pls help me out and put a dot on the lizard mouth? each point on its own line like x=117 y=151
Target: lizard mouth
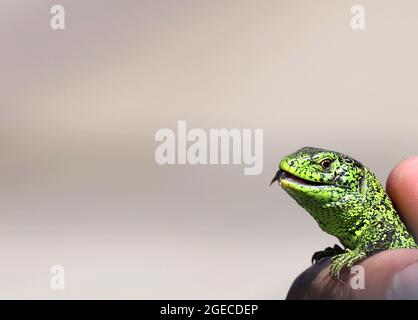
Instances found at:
x=282 y=175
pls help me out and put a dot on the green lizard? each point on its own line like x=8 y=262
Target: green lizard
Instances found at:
x=347 y=201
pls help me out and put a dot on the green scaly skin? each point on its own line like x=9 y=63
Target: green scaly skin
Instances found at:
x=347 y=201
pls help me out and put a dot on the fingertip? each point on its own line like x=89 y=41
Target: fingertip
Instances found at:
x=402 y=187
x=403 y=174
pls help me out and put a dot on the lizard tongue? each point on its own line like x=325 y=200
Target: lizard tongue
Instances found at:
x=277 y=177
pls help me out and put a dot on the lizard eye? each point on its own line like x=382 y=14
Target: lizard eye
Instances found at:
x=326 y=163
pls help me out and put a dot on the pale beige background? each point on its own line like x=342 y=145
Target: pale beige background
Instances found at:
x=79 y=109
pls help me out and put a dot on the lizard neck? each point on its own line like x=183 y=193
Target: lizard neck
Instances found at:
x=377 y=225
x=350 y=216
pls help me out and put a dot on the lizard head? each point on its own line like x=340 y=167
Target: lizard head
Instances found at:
x=324 y=182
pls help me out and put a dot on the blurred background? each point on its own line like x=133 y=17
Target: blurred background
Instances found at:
x=79 y=109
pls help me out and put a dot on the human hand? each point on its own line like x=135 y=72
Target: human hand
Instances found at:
x=391 y=274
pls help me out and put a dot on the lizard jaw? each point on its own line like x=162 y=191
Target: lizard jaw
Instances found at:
x=286 y=178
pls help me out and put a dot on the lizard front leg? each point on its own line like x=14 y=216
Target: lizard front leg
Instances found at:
x=376 y=238
x=347 y=259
